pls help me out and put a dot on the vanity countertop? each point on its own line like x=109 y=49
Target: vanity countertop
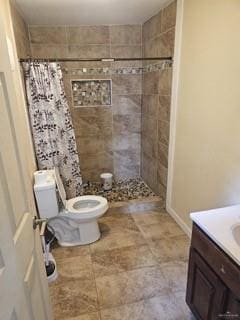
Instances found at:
x=218 y=225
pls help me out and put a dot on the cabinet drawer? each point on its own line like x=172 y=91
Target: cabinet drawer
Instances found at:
x=222 y=264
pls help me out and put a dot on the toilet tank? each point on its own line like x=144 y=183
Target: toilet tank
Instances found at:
x=45 y=193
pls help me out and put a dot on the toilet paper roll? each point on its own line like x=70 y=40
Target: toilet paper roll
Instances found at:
x=40 y=177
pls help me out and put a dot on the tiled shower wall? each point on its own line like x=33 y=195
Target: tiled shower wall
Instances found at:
x=108 y=138
x=158 y=40
x=21 y=33
x=112 y=138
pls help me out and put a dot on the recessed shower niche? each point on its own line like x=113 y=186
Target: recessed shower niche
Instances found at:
x=91 y=93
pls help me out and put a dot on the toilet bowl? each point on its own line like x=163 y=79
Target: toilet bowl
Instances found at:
x=74 y=221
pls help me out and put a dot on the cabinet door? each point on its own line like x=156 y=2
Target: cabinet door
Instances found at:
x=231 y=307
x=205 y=291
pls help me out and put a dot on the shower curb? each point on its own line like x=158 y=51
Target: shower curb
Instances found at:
x=138 y=205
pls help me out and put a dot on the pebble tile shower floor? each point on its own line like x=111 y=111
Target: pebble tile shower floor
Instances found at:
x=136 y=271
x=123 y=190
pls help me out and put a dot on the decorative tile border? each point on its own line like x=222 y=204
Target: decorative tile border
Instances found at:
x=157 y=66
x=125 y=70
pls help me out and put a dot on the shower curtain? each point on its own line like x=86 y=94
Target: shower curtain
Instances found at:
x=51 y=124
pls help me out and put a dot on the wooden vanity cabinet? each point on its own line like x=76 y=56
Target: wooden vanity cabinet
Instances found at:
x=213 y=287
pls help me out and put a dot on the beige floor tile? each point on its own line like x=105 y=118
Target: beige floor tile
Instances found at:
x=159 y=230
x=181 y=302
x=170 y=248
x=157 y=308
x=88 y=316
x=76 y=267
x=131 y=286
x=65 y=252
x=117 y=222
x=140 y=272
x=73 y=297
x=122 y=259
x=176 y=274
x=119 y=239
x=151 y=217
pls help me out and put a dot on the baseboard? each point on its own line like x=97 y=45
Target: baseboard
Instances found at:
x=179 y=221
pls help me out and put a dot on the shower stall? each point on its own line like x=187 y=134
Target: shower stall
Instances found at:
x=117 y=80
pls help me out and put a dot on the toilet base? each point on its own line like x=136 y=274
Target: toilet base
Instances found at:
x=71 y=233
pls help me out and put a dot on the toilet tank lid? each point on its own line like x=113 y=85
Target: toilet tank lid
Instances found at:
x=43 y=180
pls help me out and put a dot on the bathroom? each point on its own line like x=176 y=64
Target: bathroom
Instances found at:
x=150 y=95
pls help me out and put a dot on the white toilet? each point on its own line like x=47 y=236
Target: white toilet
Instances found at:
x=74 y=221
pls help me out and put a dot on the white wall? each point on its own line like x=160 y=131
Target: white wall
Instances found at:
x=204 y=162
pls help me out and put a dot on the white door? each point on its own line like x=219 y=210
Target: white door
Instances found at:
x=23 y=285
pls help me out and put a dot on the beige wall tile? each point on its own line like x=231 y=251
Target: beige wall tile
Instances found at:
x=49 y=51
x=152 y=48
x=97 y=112
x=149 y=171
x=126 y=141
x=126 y=51
x=149 y=146
x=123 y=124
x=94 y=125
x=169 y=16
x=126 y=104
x=91 y=175
x=149 y=127
x=162 y=174
x=161 y=190
x=23 y=46
x=118 y=128
x=150 y=105
x=100 y=160
x=47 y=35
x=165 y=82
x=126 y=157
x=151 y=82
x=88 y=51
x=163 y=154
x=167 y=43
x=127 y=84
x=126 y=34
x=127 y=172
x=88 y=35
x=21 y=33
x=163 y=132
x=152 y=27
x=164 y=107
x=93 y=145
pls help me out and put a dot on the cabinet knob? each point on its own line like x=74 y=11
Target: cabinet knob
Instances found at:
x=223 y=269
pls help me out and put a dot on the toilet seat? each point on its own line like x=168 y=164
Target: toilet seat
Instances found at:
x=85 y=207
x=82 y=207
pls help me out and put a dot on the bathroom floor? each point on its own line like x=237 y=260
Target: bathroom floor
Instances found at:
x=137 y=271
x=128 y=189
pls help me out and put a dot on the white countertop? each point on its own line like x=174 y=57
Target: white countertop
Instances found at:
x=217 y=224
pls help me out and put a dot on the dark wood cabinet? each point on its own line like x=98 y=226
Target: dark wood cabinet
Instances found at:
x=213 y=288
x=232 y=306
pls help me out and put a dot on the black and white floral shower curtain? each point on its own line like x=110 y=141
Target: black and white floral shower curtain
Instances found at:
x=52 y=129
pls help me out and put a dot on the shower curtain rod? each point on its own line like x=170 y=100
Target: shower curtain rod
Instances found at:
x=93 y=60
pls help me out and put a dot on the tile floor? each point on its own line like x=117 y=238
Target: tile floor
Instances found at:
x=136 y=271
x=122 y=190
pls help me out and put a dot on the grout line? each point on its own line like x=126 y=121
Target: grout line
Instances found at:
x=94 y=278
